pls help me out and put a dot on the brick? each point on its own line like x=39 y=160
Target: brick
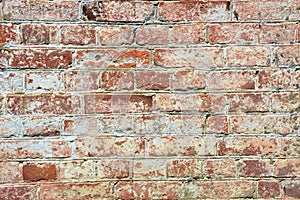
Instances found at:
x=283 y=33
x=268 y=189
x=110 y=58
x=233 y=33
x=227 y=80
x=11 y=81
x=18 y=192
x=37 y=34
x=219 y=168
x=188 y=79
x=76 y=80
x=285 y=102
x=116 y=124
x=217 y=124
x=291 y=189
x=10 y=127
x=275 y=79
x=287 y=167
x=152 y=80
x=196 y=58
x=185 y=168
x=296 y=79
x=243 y=146
x=192 y=146
x=194 y=11
x=151 y=124
x=109 y=147
x=103 y=103
x=78 y=35
x=113 y=169
x=75 y=191
x=149 y=169
x=42 y=126
x=39 y=171
x=193 y=33
x=61 y=149
x=116 y=35
x=290 y=146
x=117 y=80
x=287 y=55
x=8 y=34
x=76 y=170
x=42 y=11
x=10 y=172
x=247 y=56
x=186 y=124
x=43 y=104
x=254 y=168
x=114 y=11
x=46 y=81
x=80 y=126
x=248 y=102
x=152 y=35
x=189 y=102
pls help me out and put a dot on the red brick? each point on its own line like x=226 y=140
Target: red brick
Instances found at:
x=219 y=168
x=10 y=127
x=192 y=146
x=278 y=33
x=290 y=146
x=46 y=81
x=194 y=11
x=83 y=126
x=76 y=170
x=254 y=168
x=246 y=56
x=248 y=102
x=189 y=102
x=275 y=79
x=39 y=171
x=197 y=58
x=81 y=80
x=78 y=34
x=39 y=34
x=217 y=124
x=8 y=33
x=149 y=169
x=268 y=189
x=116 y=124
x=61 y=149
x=42 y=126
x=110 y=58
x=247 y=146
x=292 y=189
x=185 y=168
x=233 y=33
x=110 y=169
x=117 y=11
x=116 y=35
x=75 y=191
x=287 y=167
x=152 y=35
x=285 y=102
x=152 y=80
x=43 y=10
x=188 y=79
x=193 y=33
x=186 y=124
x=109 y=147
x=287 y=55
x=296 y=79
x=230 y=80
x=117 y=80
x=43 y=104
x=151 y=124
x=19 y=192
x=10 y=172
x=12 y=81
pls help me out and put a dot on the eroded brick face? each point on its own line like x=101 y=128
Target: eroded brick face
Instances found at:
x=149 y=99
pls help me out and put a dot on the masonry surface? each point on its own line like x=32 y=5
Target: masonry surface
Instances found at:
x=149 y=99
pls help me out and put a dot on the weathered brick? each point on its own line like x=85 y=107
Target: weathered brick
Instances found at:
x=46 y=81
x=78 y=34
x=10 y=172
x=111 y=169
x=149 y=169
x=247 y=56
x=116 y=35
x=193 y=33
x=296 y=79
x=268 y=189
x=39 y=34
x=230 y=80
x=11 y=81
x=114 y=11
x=39 y=171
x=42 y=126
x=274 y=79
x=152 y=35
x=219 y=168
x=19 y=192
x=116 y=124
x=188 y=79
x=43 y=104
x=103 y=103
x=43 y=10
x=184 y=168
x=233 y=33
x=11 y=127
x=248 y=102
x=217 y=124
x=194 y=11
x=117 y=80
x=254 y=168
x=243 y=146
x=83 y=126
x=285 y=102
x=75 y=191
x=152 y=80
x=290 y=146
x=291 y=189
x=287 y=55
x=76 y=170
x=111 y=58
x=61 y=149
x=8 y=34
x=287 y=167
x=81 y=80
x=196 y=58
x=278 y=33
x=151 y=124
x=186 y=124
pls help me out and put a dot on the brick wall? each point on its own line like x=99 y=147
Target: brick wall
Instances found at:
x=149 y=99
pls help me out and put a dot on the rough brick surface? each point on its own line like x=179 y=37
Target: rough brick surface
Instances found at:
x=144 y=99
